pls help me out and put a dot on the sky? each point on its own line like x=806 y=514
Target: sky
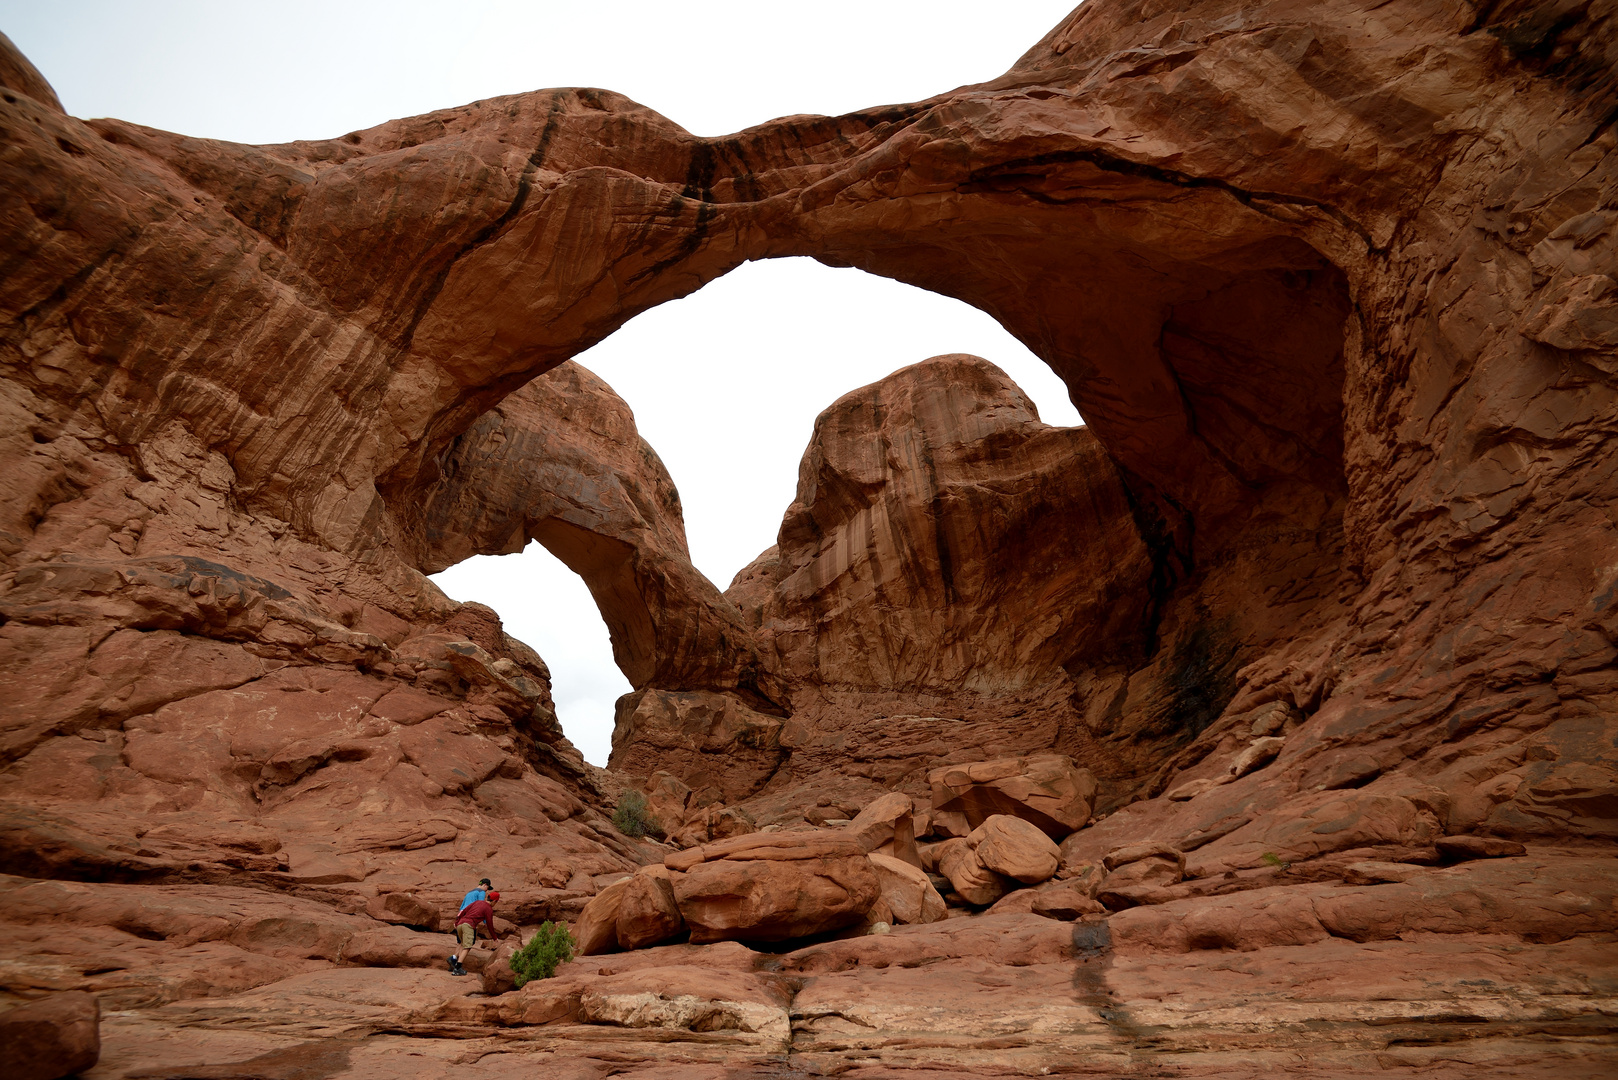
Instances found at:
x=724 y=383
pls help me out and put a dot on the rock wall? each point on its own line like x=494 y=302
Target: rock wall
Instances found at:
x=948 y=565
x=944 y=540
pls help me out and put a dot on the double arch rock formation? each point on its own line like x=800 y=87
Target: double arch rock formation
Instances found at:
x=1332 y=284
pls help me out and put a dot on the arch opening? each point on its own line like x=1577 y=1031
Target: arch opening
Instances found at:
x=1219 y=465
x=608 y=514
x=549 y=607
x=726 y=383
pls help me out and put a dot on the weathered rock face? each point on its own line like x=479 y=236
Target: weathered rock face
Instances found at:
x=1334 y=290
x=58 y=1036
x=721 y=748
x=928 y=505
x=1212 y=346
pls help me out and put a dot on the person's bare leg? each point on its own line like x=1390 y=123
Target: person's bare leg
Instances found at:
x=458 y=955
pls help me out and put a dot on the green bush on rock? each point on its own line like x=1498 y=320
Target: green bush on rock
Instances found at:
x=551 y=945
x=633 y=818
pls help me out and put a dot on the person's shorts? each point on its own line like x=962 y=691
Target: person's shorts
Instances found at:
x=466 y=934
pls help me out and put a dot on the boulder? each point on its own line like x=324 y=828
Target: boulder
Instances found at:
x=1045 y=789
x=1378 y=872
x=886 y=826
x=1145 y=849
x=770 y=847
x=647 y=913
x=1349 y=771
x=713 y=822
x=1064 y=900
x=54 y=1037
x=1155 y=871
x=878 y=920
x=910 y=896
x=596 y=930
x=1259 y=753
x=1123 y=897
x=1017 y=902
x=401 y=947
x=1275 y=718
x=1192 y=788
x=498 y=978
x=1016 y=848
x=975 y=883
x=774 y=900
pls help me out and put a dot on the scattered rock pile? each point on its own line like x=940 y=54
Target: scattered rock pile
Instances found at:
x=865 y=873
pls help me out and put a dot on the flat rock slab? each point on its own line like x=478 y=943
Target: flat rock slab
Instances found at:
x=770 y=847
x=1543 y=900
x=990 y=995
x=328 y=1004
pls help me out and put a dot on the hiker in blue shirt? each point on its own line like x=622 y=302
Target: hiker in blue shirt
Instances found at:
x=479 y=893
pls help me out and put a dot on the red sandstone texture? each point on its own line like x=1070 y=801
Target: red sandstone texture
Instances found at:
x=1322 y=601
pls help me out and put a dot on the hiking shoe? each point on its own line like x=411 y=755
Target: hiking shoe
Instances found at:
x=455 y=968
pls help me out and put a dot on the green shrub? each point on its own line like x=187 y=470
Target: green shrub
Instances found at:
x=632 y=818
x=550 y=945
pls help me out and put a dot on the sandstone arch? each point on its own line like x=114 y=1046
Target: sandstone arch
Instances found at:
x=244 y=387
x=1142 y=199
x=559 y=461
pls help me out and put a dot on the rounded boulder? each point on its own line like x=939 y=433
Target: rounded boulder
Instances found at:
x=774 y=900
x=1015 y=848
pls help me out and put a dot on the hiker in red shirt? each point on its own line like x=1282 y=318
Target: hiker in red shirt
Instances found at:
x=466 y=929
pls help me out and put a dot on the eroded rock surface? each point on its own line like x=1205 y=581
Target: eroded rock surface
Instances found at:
x=54 y=1037
x=1332 y=564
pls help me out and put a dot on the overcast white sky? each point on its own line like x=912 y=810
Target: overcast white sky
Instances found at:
x=725 y=383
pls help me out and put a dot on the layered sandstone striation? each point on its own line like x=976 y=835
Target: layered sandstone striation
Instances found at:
x=928 y=584
x=1322 y=597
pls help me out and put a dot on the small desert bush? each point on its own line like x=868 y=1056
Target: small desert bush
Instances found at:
x=632 y=818
x=550 y=945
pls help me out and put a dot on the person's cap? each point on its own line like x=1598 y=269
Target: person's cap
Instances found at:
x=493 y=896
x=483 y=881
